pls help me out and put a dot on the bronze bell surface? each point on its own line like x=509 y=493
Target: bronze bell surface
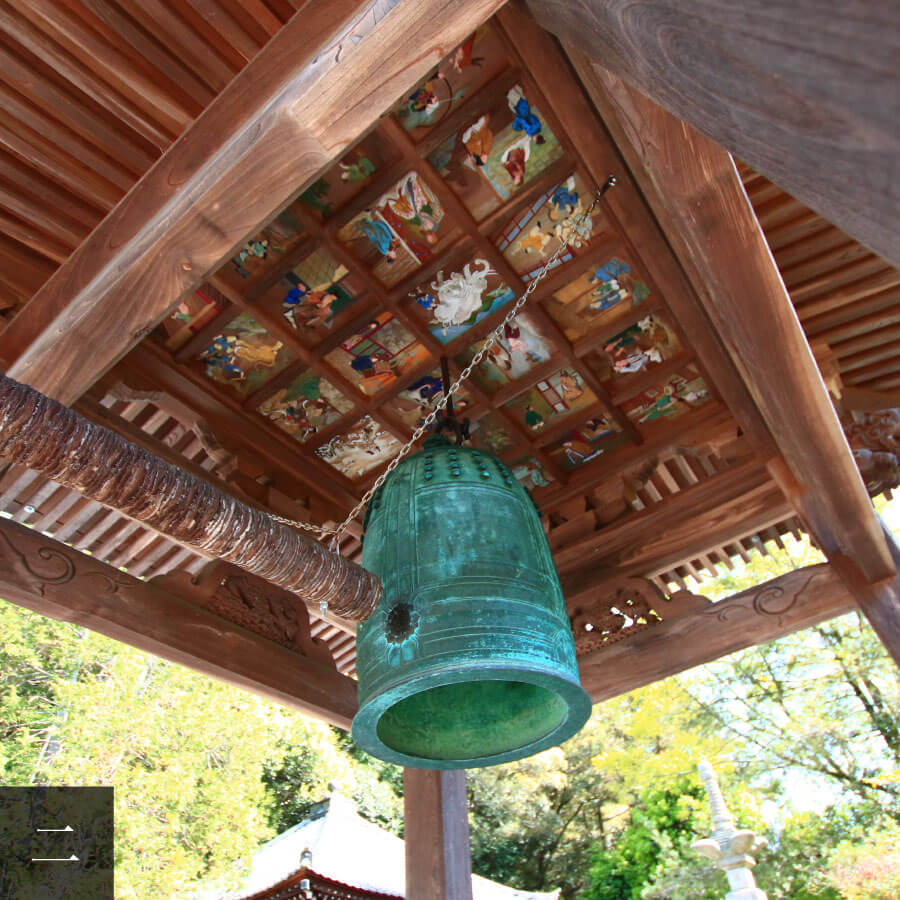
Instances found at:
x=469 y=658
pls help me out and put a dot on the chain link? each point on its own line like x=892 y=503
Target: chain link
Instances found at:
x=336 y=531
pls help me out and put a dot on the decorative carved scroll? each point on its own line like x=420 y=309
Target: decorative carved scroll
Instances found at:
x=250 y=602
x=874 y=438
x=36 y=565
x=775 y=599
x=623 y=607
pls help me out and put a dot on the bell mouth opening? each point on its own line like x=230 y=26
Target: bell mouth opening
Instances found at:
x=471 y=720
x=477 y=716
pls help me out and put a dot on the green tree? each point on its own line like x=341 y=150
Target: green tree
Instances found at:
x=536 y=823
x=311 y=765
x=824 y=702
x=870 y=869
x=662 y=825
x=35 y=655
x=533 y=822
x=199 y=767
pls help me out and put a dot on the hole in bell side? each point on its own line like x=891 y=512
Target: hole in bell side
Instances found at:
x=471 y=719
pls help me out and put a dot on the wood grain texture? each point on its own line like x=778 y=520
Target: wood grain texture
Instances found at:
x=879 y=602
x=804 y=92
x=797 y=600
x=54 y=580
x=436 y=825
x=695 y=192
x=317 y=86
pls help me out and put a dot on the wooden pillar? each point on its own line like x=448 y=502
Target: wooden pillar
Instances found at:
x=693 y=188
x=880 y=602
x=438 y=862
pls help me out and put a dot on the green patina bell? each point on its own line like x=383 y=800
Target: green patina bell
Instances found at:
x=469 y=659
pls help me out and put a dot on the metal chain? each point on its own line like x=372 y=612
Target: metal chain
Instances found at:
x=493 y=337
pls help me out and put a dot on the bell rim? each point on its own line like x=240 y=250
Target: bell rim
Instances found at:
x=364 y=728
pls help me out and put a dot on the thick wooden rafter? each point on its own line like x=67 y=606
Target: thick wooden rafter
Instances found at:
x=807 y=98
x=180 y=220
x=693 y=187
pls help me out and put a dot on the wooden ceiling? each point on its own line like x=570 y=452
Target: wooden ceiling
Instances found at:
x=847 y=297
x=298 y=368
x=93 y=93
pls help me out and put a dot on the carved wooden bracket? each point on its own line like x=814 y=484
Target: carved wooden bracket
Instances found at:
x=626 y=606
x=226 y=462
x=251 y=602
x=697 y=631
x=874 y=438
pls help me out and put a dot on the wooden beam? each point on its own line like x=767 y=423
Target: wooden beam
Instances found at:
x=797 y=90
x=724 y=508
x=314 y=89
x=52 y=579
x=436 y=829
x=694 y=189
x=880 y=602
x=791 y=602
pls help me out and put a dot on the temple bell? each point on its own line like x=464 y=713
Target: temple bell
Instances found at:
x=469 y=658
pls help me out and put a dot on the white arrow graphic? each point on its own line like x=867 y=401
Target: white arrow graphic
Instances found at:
x=67 y=828
x=72 y=858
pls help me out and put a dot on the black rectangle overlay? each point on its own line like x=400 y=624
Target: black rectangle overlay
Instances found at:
x=56 y=843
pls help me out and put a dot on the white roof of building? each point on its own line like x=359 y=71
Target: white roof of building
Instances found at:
x=346 y=848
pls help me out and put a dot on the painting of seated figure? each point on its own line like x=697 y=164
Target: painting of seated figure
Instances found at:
x=637 y=348
x=315 y=293
x=413 y=404
x=598 y=296
x=475 y=63
x=400 y=232
x=597 y=437
x=193 y=312
x=382 y=351
x=497 y=153
x=674 y=397
x=353 y=172
x=261 y=252
x=559 y=216
x=307 y=405
x=561 y=394
x=244 y=355
x=530 y=473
